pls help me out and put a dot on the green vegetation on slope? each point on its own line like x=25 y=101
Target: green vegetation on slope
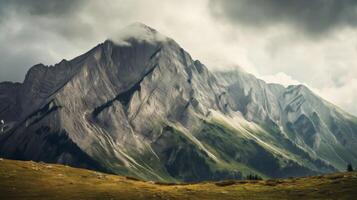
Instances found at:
x=30 y=180
x=234 y=155
x=184 y=160
x=245 y=154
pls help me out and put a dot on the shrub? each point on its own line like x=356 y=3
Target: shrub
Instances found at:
x=349 y=167
x=253 y=177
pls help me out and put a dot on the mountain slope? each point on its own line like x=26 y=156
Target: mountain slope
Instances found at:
x=295 y=112
x=30 y=180
x=139 y=105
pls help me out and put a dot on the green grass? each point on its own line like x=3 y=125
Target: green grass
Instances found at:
x=30 y=180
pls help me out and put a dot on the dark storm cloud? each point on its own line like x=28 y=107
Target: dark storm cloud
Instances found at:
x=57 y=16
x=28 y=27
x=313 y=17
x=41 y=7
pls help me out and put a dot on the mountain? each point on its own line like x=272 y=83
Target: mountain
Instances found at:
x=139 y=105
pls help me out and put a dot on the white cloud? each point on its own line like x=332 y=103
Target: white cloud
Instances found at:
x=140 y=32
x=280 y=78
x=344 y=96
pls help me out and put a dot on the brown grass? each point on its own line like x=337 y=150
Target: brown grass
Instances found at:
x=30 y=180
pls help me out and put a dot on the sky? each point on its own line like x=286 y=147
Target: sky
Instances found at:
x=311 y=42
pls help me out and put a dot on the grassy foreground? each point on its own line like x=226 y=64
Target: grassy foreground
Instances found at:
x=30 y=180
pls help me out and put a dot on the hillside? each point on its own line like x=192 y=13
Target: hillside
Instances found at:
x=31 y=180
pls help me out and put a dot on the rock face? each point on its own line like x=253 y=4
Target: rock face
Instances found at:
x=141 y=106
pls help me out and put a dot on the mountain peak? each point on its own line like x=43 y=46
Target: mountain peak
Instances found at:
x=138 y=31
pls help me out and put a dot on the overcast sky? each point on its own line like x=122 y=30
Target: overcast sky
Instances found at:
x=313 y=42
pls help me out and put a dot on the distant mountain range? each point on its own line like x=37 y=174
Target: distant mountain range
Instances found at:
x=141 y=106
